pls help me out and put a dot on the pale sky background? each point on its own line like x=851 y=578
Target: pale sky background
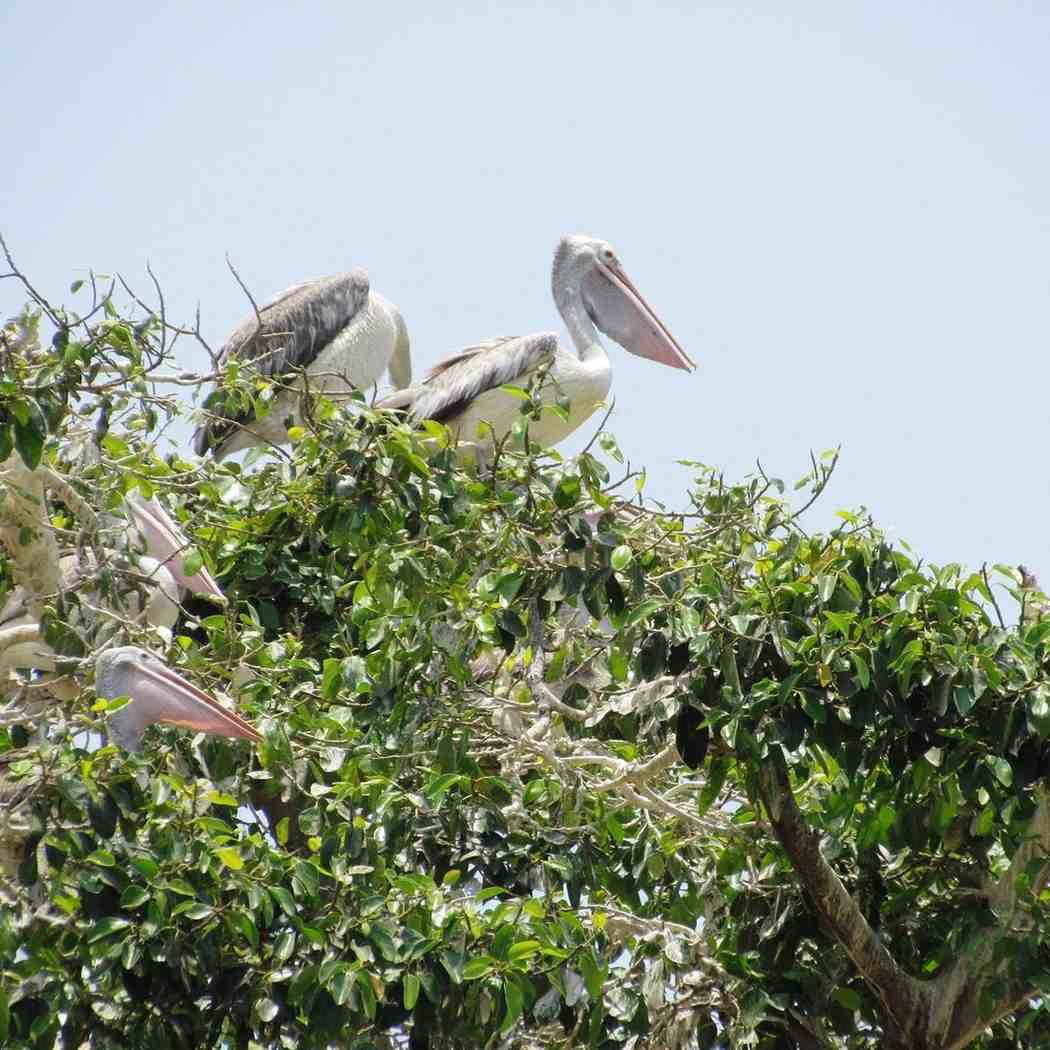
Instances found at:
x=842 y=212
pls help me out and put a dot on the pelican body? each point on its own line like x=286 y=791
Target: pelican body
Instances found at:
x=331 y=336
x=155 y=600
x=158 y=695
x=593 y=294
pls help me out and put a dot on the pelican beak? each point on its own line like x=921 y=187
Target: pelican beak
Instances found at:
x=622 y=313
x=168 y=698
x=166 y=542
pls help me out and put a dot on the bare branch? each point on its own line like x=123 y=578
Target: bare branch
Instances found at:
x=54 y=482
x=24 y=634
x=163 y=314
x=36 y=296
x=244 y=288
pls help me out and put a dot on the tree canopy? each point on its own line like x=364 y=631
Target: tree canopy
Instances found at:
x=544 y=765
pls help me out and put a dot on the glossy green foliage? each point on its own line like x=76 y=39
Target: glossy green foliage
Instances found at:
x=451 y=831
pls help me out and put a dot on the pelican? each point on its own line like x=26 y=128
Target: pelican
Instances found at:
x=335 y=329
x=162 y=577
x=158 y=694
x=593 y=293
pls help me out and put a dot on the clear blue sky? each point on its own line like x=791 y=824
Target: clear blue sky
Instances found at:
x=842 y=212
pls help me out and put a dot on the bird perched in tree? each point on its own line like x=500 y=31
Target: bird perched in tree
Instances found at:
x=329 y=336
x=592 y=293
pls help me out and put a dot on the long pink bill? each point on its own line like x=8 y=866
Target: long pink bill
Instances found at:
x=621 y=312
x=166 y=542
x=157 y=694
x=170 y=699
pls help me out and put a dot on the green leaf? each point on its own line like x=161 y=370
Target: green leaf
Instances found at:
x=453 y=961
x=331 y=680
x=480 y=966
x=1002 y=769
x=231 y=857
x=29 y=439
x=567 y=492
x=180 y=886
x=1039 y=709
x=618 y=664
x=193 y=910
x=368 y=993
x=847 y=998
x=621 y=557
x=342 y=984
x=266 y=1009
x=134 y=897
x=861 y=667
x=284 y=899
x=515 y=999
x=643 y=611
x=243 y=923
x=383 y=938
x=716 y=775
x=826 y=587
x=284 y=945
x=305 y=879
x=147 y=866
x=593 y=974
x=523 y=950
x=107 y=927
x=964 y=700
x=192 y=561
x=410 y=990
x=983 y=823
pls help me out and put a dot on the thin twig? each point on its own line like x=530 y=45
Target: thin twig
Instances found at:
x=244 y=288
x=601 y=427
x=40 y=300
x=163 y=314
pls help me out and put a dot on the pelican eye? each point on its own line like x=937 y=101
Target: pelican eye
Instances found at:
x=608 y=255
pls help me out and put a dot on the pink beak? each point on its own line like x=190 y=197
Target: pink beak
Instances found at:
x=157 y=694
x=620 y=311
x=166 y=542
x=168 y=698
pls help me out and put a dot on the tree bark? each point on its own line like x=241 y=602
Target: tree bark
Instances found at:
x=904 y=1000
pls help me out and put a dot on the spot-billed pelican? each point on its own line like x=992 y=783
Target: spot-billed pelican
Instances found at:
x=335 y=330
x=593 y=293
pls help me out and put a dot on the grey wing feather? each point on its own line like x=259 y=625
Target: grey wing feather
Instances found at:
x=454 y=383
x=292 y=329
x=288 y=333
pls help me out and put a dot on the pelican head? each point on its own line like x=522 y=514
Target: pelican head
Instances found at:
x=158 y=694
x=589 y=270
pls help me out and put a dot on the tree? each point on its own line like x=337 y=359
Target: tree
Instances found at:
x=469 y=824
